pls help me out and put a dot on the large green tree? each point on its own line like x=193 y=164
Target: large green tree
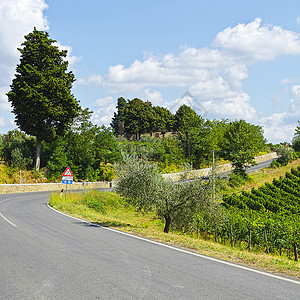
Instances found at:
x=40 y=94
x=138 y=117
x=242 y=141
x=185 y=118
x=117 y=121
x=296 y=139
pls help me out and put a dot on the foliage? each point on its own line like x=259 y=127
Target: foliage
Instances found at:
x=118 y=118
x=17 y=148
x=242 y=142
x=41 y=90
x=88 y=149
x=185 y=118
x=138 y=116
x=176 y=203
x=166 y=152
x=272 y=209
x=296 y=143
x=285 y=156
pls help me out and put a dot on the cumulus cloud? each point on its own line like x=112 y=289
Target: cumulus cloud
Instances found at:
x=234 y=107
x=72 y=59
x=155 y=97
x=258 y=42
x=105 y=108
x=17 y=18
x=91 y=80
x=281 y=126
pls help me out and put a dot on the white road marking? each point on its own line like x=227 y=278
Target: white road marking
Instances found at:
x=8 y=221
x=185 y=251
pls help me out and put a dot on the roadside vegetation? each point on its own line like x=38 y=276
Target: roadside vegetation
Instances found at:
x=117 y=213
x=201 y=230
x=232 y=221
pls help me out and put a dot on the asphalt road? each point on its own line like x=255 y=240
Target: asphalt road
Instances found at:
x=260 y=166
x=47 y=255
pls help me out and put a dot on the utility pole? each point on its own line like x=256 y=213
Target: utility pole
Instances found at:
x=213 y=174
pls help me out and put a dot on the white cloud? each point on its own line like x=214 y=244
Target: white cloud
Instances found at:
x=155 y=97
x=280 y=127
x=17 y=18
x=104 y=110
x=91 y=80
x=235 y=107
x=72 y=59
x=258 y=42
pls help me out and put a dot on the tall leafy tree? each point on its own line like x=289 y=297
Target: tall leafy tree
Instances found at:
x=242 y=142
x=40 y=94
x=163 y=120
x=185 y=118
x=296 y=139
x=138 y=117
x=117 y=121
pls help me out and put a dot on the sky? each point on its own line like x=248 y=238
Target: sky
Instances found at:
x=226 y=59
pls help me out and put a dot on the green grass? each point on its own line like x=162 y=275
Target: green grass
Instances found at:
x=116 y=213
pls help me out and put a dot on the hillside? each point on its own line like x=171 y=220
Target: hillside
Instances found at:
x=267 y=217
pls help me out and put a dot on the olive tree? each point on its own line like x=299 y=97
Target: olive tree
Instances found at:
x=145 y=188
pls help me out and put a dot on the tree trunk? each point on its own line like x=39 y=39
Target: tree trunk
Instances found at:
x=295 y=247
x=37 y=154
x=250 y=236
x=231 y=235
x=167 y=224
x=266 y=241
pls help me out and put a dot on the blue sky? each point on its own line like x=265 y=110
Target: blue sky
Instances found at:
x=237 y=59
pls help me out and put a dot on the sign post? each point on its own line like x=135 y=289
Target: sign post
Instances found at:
x=67 y=178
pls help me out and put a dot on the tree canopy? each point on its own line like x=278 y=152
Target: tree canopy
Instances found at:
x=242 y=141
x=40 y=93
x=296 y=139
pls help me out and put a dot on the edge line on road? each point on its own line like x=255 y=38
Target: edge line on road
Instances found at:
x=8 y=221
x=182 y=250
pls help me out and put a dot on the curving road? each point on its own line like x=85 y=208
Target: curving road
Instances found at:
x=47 y=255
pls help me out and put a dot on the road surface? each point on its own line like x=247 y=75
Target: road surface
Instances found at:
x=47 y=255
x=261 y=165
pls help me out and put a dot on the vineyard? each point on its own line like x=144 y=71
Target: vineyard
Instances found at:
x=265 y=219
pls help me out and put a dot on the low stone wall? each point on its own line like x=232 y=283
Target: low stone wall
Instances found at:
x=221 y=168
x=43 y=187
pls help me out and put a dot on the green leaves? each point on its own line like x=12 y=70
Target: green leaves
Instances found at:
x=40 y=92
x=242 y=141
x=177 y=203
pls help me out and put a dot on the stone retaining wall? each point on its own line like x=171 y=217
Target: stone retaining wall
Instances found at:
x=221 y=168
x=42 y=187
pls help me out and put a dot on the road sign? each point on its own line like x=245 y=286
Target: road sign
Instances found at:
x=67 y=172
x=67 y=176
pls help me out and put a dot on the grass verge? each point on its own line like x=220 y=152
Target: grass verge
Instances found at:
x=114 y=212
x=259 y=178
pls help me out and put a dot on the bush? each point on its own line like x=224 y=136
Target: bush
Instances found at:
x=285 y=156
x=106 y=172
x=296 y=144
x=275 y=164
x=235 y=179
